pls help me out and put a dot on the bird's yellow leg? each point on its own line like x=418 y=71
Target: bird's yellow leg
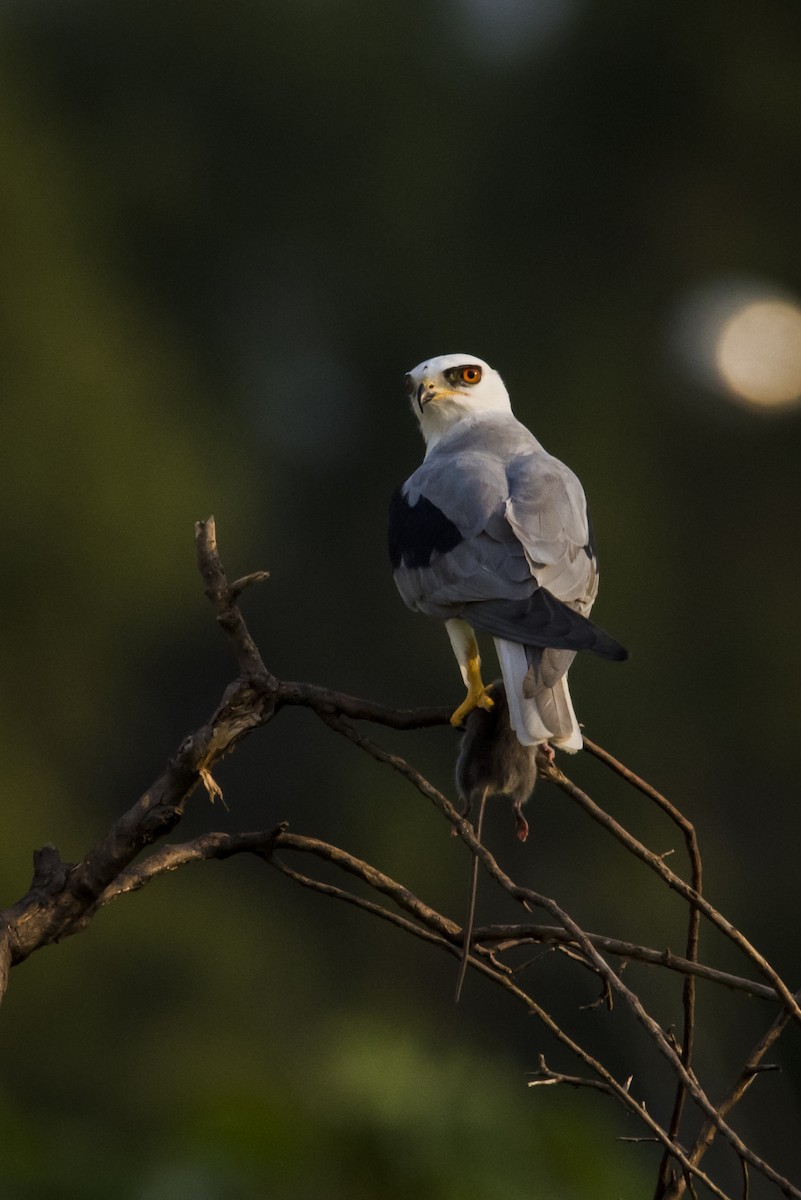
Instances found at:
x=465 y=647
x=477 y=695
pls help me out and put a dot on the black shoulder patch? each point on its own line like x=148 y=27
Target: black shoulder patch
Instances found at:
x=416 y=531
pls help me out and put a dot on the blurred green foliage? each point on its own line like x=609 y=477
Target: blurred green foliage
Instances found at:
x=225 y=234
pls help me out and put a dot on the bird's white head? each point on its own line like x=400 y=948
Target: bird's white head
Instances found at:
x=447 y=389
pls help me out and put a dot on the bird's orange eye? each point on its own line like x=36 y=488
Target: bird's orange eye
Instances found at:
x=408 y=383
x=470 y=374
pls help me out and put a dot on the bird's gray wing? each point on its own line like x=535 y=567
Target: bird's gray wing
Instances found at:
x=547 y=511
x=449 y=539
x=490 y=515
x=488 y=520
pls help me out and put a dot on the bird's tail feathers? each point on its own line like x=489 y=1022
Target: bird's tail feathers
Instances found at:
x=536 y=713
x=546 y=666
x=557 y=712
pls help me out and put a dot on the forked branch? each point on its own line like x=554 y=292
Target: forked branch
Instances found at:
x=64 y=897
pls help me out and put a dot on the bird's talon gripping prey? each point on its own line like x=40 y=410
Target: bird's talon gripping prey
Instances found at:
x=465 y=648
x=491 y=533
x=478 y=699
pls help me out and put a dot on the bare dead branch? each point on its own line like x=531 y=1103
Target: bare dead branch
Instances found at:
x=64 y=897
x=746 y=1077
x=327 y=703
x=501 y=937
x=435 y=928
x=223 y=598
x=264 y=844
x=528 y=898
x=678 y=885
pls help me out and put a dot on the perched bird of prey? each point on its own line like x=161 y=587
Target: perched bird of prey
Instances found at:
x=491 y=533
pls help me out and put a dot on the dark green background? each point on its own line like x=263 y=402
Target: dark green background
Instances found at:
x=226 y=231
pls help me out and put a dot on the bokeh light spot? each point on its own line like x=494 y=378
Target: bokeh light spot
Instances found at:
x=741 y=338
x=758 y=353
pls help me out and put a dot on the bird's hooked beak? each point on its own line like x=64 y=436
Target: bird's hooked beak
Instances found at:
x=426 y=392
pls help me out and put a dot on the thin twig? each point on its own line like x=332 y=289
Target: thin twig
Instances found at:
x=508 y=936
x=677 y=884
x=693 y=933
x=544 y=1075
x=741 y=1085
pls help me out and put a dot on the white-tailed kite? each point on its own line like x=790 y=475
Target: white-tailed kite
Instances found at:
x=491 y=532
